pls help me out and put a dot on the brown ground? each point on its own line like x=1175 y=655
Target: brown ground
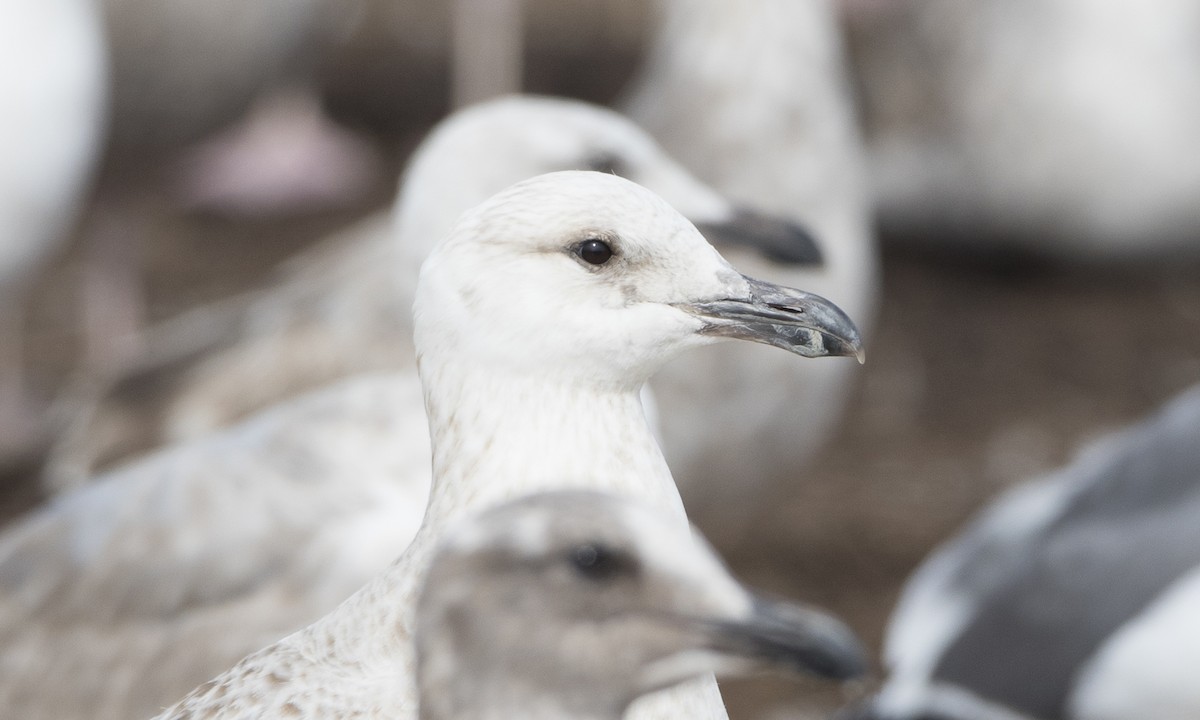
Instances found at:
x=978 y=375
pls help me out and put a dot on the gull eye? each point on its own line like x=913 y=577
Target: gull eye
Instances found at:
x=598 y=562
x=595 y=251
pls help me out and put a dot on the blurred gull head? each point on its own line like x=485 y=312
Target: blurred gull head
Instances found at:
x=573 y=604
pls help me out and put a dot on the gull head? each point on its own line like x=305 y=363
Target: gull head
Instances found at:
x=484 y=148
x=587 y=275
x=584 y=601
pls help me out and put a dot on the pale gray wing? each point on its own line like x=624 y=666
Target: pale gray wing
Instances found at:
x=119 y=597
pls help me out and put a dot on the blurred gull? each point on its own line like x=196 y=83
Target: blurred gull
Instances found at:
x=1071 y=597
x=753 y=97
x=1064 y=127
x=573 y=605
x=52 y=80
x=117 y=598
x=537 y=321
x=341 y=308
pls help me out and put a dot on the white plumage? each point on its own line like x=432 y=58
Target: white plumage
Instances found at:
x=531 y=357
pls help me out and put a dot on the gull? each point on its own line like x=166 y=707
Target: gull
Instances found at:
x=574 y=604
x=136 y=587
x=53 y=75
x=118 y=597
x=752 y=96
x=1073 y=596
x=340 y=308
x=1112 y=88
x=537 y=320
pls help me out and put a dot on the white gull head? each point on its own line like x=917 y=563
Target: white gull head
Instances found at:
x=589 y=277
x=574 y=604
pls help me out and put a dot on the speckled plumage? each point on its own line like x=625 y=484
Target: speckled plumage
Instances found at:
x=529 y=385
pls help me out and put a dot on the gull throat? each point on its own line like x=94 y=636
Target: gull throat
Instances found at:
x=485 y=429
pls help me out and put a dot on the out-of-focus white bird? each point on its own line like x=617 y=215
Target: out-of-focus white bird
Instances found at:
x=52 y=84
x=1067 y=128
x=538 y=320
x=1071 y=597
x=341 y=308
x=753 y=97
x=183 y=70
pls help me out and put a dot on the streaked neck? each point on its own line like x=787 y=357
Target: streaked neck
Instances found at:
x=495 y=438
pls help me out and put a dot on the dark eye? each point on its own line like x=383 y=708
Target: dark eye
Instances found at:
x=598 y=562
x=595 y=252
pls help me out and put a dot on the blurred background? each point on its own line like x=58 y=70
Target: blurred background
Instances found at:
x=1032 y=169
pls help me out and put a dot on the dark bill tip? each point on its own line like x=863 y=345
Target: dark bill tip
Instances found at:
x=797 y=638
x=777 y=239
x=797 y=321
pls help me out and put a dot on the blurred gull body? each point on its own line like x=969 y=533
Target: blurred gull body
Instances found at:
x=119 y=597
x=521 y=390
x=1066 y=127
x=183 y=70
x=341 y=308
x=52 y=84
x=1071 y=597
x=753 y=97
